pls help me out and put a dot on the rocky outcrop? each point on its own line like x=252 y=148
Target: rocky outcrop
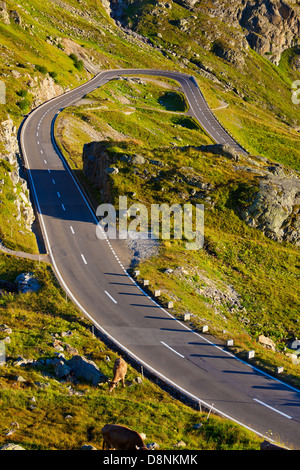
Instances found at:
x=270 y=27
x=43 y=89
x=9 y=15
x=8 y=136
x=97 y=166
x=4 y=16
x=274 y=208
x=222 y=149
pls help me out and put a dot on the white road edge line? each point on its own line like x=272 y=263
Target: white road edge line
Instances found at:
x=107 y=293
x=169 y=347
x=271 y=408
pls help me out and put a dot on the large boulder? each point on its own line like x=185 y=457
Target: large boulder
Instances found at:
x=266 y=342
x=27 y=283
x=82 y=368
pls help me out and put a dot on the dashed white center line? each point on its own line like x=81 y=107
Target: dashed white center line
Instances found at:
x=72 y=230
x=53 y=181
x=169 y=347
x=271 y=408
x=58 y=194
x=110 y=297
x=84 y=260
x=63 y=207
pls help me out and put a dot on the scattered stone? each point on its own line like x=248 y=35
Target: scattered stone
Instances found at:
x=66 y=333
x=153 y=446
x=138 y=160
x=21 y=361
x=70 y=349
x=42 y=385
x=57 y=345
x=19 y=378
x=168 y=270
x=180 y=444
x=88 y=447
x=266 y=342
x=61 y=370
x=198 y=426
x=5 y=329
x=295 y=345
x=112 y=170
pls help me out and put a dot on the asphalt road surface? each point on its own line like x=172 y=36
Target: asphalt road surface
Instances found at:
x=95 y=279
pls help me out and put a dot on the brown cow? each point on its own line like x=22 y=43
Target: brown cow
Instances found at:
x=121 y=438
x=120 y=369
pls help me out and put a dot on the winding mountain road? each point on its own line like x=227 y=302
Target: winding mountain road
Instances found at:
x=94 y=278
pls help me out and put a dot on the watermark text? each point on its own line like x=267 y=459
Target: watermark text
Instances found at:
x=161 y=221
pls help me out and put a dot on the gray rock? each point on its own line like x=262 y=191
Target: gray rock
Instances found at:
x=221 y=149
x=294 y=344
x=5 y=329
x=42 y=385
x=87 y=370
x=61 y=370
x=138 y=160
x=112 y=171
x=27 y=283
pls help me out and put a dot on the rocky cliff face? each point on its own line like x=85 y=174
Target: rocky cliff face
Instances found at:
x=270 y=26
x=274 y=209
x=97 y=165
x=8 y=136
x=267 y=26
